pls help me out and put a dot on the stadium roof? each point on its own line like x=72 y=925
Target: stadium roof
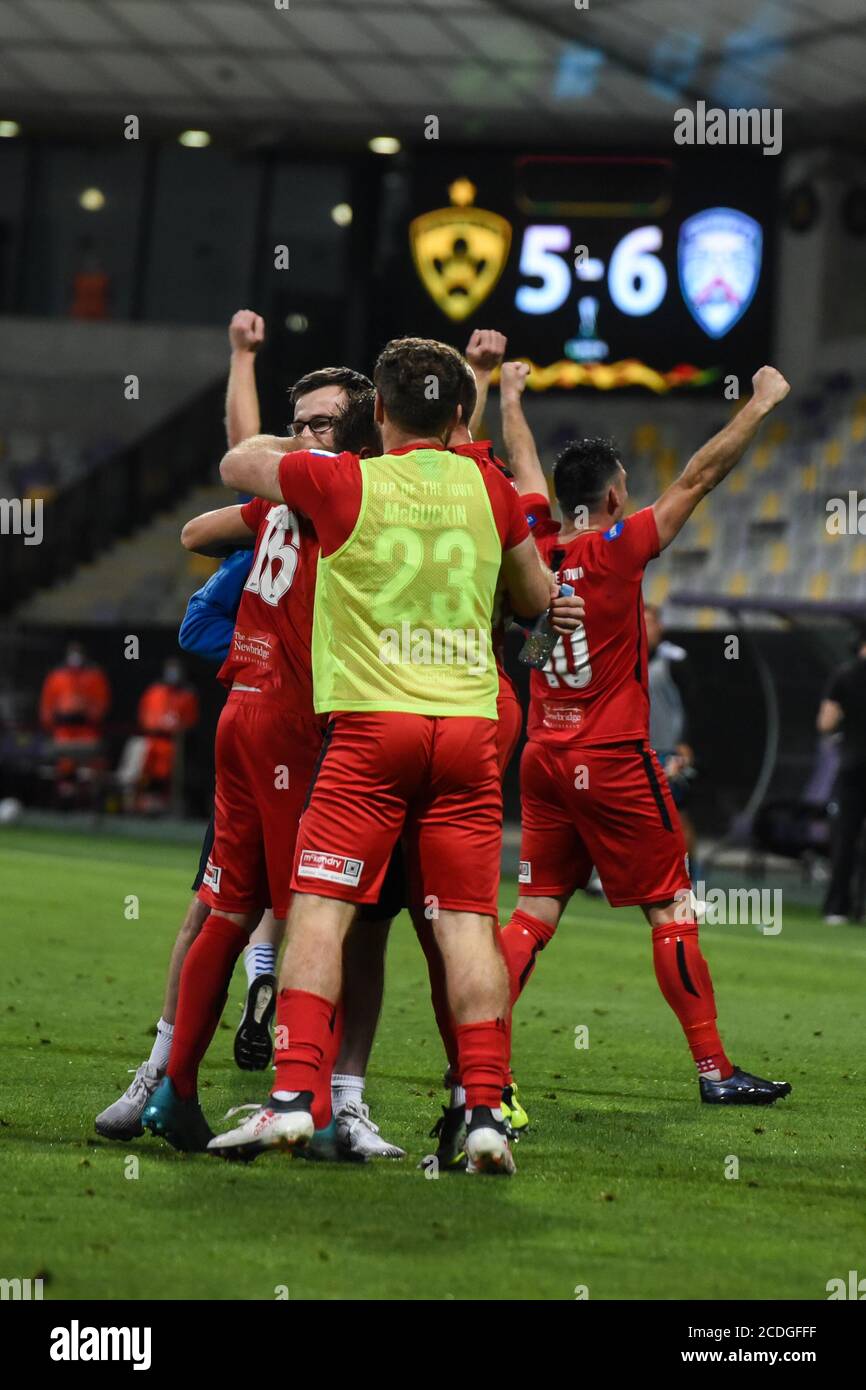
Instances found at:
x=338 y=71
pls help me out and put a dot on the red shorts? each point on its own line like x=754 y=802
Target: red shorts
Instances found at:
x=383 y=771
x=608 y=806
x=508 y=730
x=265 y=758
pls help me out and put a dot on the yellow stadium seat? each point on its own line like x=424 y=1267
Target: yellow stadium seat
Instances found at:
x=666 y=467
x=809 y=478
x=739 y=481
x=738 y=584
x=857 y=558
x=762 y=456
x=770 y=508
x=780 y=558
x=659 y=588
x=819 y=585
x=833 y=453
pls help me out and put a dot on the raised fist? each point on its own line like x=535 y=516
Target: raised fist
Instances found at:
x=486 y=349
x=769 y=386
x=512 y=378
x=246 y=331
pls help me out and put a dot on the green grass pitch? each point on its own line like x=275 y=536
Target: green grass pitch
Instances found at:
x=621 y=1184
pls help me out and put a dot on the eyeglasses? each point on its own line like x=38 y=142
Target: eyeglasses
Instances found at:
x=317 y=425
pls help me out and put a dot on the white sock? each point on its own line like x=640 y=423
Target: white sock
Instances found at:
x=345 y=1089
x=458 y=1096
x=161 y=1049
x=285 y=1095
x=260 y=959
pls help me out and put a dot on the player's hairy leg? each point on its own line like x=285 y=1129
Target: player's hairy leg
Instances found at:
x=364 y=982
x=475 y=973
x=196 y=916
x=477 y=984
x=547 y=910
x=313 y=958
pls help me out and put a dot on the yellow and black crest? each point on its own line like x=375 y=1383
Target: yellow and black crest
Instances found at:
x=460 y=252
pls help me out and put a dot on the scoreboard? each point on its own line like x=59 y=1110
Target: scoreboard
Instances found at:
x=605 y=271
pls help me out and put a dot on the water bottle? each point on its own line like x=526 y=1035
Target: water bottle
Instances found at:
x=536 y=650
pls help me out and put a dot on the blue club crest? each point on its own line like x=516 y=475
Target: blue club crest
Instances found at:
x=719 y=261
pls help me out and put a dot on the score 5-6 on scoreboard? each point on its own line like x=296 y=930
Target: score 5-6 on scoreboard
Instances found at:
x=605 y=271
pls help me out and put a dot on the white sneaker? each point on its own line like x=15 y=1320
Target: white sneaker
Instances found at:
x=357 y=1134
x=834 y=919
x=122 y=1120
x=261 y=1130
x=488 y=1151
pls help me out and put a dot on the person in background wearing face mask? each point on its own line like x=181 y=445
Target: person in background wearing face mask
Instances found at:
x=169 y=707
x=75 y=699
x=73 y=704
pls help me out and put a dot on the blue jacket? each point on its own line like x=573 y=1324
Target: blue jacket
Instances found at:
x=209 y=621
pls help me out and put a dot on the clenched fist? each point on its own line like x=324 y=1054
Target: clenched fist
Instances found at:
x=246 y=331
x=769 y=386
x=512 y=378
x=486 y=349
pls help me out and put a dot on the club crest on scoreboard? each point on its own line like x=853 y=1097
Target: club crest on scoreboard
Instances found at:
x=460 y=252
x=719 y=261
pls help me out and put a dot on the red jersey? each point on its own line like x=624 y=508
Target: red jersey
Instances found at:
x=328 y=488
x=482 y=451
x=594 y=689
x=270 y=648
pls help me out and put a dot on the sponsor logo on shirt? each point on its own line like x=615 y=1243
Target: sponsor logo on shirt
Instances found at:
x=558 y=715
x=525 y=872
x=253 y=646
x=614 y=531
x=531 y=518
x=334 y=868
x=569 y=575
x=212 y=876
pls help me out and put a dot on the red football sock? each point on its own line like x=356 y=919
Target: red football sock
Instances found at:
x=204 y=982
x=483 y=1053
x=684 y=980
x=304 y=1036
x=322 y=1112
x=522 y=938
x=439 y=995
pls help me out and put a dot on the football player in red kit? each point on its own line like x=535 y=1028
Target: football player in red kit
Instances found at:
x=592 y=789
x=413 y=745
x=268 y=739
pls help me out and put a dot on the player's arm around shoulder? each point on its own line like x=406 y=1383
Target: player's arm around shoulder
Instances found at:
x=253 y=465
x=214 y=533
x=715 y=460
